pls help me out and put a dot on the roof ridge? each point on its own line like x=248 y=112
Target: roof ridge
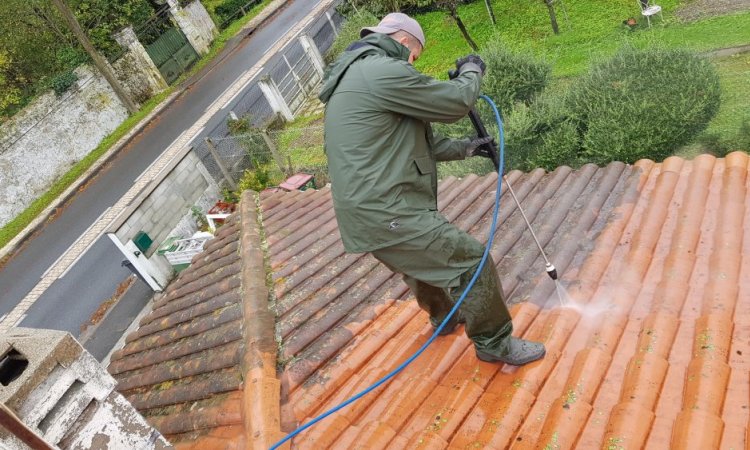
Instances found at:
x=261 y=403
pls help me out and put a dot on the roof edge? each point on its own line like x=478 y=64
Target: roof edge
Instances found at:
x=261 y=410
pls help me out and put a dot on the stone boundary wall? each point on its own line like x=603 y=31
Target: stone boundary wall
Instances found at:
x=42 y=142
x=135 y=69
x=195 y=22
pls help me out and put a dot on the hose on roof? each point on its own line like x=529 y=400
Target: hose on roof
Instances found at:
x=490 y=239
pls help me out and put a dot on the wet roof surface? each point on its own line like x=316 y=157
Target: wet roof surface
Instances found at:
x=650 y=345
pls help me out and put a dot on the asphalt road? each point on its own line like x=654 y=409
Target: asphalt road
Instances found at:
x=72 y=299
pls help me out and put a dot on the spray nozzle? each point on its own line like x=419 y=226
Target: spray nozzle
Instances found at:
x=551 y=271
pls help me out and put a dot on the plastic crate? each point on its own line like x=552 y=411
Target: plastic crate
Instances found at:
x=182 y=251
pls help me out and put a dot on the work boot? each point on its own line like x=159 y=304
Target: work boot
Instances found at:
x=514 y=351
x=449 y=327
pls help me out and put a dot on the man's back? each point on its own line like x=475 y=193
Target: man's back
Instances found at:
x=382 y=167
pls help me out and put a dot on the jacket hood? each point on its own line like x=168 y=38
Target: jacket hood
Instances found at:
x=372 y=44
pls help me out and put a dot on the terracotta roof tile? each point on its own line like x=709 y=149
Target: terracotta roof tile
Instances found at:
x=654 y=250
x=651 y=257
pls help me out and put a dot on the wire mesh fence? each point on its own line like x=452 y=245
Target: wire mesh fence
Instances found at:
x=294 y=73
x=277 y=154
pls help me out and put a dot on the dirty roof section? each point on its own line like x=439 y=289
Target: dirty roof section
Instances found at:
x=650 y=345
x=647 y=353
x=184 y=367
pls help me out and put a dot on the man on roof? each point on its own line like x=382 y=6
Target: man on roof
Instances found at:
x=382 y=158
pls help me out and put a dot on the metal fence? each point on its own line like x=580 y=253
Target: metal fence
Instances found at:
x=294 y=76
x=280 y=153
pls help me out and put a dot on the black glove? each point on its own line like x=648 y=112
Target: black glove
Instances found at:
x=476 y=147
x=470 y=62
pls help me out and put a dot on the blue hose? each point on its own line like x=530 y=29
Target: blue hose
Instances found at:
x=401 y=367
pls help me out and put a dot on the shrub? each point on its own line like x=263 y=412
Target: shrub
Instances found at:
x=254 y=180
x=643 y=104
x=227 y=10
x=349 y=32
x=71 y=57
x=512 y=77
x=62 y=82
x=541 y=135
x=742 y=140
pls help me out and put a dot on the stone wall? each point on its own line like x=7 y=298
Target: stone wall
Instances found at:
x=135 y=69
x=43 y=141
x=195 y=22
x=163 y=208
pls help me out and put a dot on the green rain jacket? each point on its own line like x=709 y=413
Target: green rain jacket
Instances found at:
x=381 y=150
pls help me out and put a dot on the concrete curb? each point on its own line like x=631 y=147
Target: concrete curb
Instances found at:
x=17 y=242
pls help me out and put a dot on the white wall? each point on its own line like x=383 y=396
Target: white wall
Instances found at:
x=195 y=22
x=43 y=141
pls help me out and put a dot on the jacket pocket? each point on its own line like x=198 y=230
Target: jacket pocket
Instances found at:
x=424 y=165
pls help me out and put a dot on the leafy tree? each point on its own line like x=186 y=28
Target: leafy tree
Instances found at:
x=451 y=7
x=40 y=52
x=103 y=18
x=10 y=94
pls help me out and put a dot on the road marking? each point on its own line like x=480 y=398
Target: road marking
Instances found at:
x=213 y=103
x=173 y=142
x=44 y=275
x=63 y=264
x=242 y=89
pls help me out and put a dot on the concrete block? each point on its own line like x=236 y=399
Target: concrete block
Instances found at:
x=161 y=202
x=136 y=216
x=124 y=233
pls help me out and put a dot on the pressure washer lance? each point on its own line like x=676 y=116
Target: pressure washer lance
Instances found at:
x=489 y=150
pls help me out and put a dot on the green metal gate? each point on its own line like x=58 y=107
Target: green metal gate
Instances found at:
x=172 y=54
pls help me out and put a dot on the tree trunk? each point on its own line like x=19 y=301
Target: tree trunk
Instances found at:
x=490 y=11
x=99 y=61
x=462 y=27
x=552 y=17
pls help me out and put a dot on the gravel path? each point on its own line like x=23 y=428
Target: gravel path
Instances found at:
x=700 y=9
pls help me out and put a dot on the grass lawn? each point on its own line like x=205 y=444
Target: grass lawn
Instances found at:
x=594 y=30
x=298 y=143
x=211 y=6
x=15 y=226
x=735 y=111
x=730 y=129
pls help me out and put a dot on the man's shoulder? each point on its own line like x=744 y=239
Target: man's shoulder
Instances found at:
x=383 y=63
x=391 y=69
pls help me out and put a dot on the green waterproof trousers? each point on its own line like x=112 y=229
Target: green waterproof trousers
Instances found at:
x=438 y=267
